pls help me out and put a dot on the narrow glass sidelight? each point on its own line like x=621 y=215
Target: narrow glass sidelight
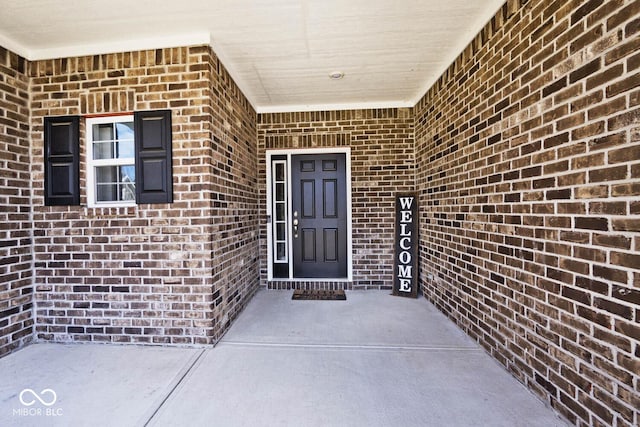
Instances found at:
x=279 y=210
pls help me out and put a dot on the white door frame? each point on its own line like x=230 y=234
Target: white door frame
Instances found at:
x=289 y=153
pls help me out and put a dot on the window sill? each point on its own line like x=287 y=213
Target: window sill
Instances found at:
x=111 y=205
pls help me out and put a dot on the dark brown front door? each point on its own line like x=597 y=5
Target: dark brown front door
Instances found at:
x=319 y=206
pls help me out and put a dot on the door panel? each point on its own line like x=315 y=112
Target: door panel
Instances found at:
x=308 y=198
x=330 y=198
x=319 y=206
x=331 y=245
x=309 y=245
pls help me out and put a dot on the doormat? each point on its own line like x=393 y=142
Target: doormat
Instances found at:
x=303 y=294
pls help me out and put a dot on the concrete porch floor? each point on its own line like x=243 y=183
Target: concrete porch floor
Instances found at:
x=373 y=360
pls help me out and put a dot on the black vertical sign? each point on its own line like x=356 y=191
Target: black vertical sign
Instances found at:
x=405 y=265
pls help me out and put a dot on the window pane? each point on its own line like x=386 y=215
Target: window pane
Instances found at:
x=106 y=174
x=128 y=174
x=124 y=135
x=103 y=132
x=125 y=149
x=115 y=183
x=279 y=172
x=281 y=252
x=280 y=231
x=128 y=179
x=124 y=130
x=106 y=145
x=279 y=192
x=106 y=192
x=103 y=150
x=280 y=214
x=127 y=192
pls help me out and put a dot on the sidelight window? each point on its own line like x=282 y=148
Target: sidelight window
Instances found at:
x=280 y=207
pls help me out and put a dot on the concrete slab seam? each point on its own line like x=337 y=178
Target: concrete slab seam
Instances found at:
x=350 y=347
x=179 y=378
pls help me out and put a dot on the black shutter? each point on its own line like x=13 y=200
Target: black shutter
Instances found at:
x=61 y=161
x=154 y=181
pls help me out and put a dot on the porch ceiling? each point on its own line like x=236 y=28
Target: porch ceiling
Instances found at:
x=280 y=52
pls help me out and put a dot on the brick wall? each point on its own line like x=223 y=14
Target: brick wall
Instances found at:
x=528 y=167
x=382 y=164
x=235 y=199
x=172 y=273
x=526 y=154
x=16 y=277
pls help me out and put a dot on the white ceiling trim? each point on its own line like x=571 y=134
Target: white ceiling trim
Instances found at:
x=334 y=107
x=121 y=46
x=15 y=47
x=470 y=35
x=235 y=75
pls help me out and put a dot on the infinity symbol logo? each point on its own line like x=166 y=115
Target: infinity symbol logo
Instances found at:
x=37 y=397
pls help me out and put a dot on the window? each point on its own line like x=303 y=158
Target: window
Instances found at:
x=280 y=211
x=129 y=159
x=111 y=169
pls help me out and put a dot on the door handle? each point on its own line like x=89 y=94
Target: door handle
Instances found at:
x=295 y=225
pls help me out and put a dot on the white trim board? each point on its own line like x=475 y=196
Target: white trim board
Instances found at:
x=334 y=107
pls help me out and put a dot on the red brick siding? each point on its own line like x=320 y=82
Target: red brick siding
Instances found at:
x=16 y=273
x=382 y=164
x=528 y=167
x=172 y=273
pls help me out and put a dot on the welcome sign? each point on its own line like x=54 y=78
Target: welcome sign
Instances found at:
x=405 y=268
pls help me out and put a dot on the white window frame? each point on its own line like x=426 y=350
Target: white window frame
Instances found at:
x=91 y=164
x=270 y=225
